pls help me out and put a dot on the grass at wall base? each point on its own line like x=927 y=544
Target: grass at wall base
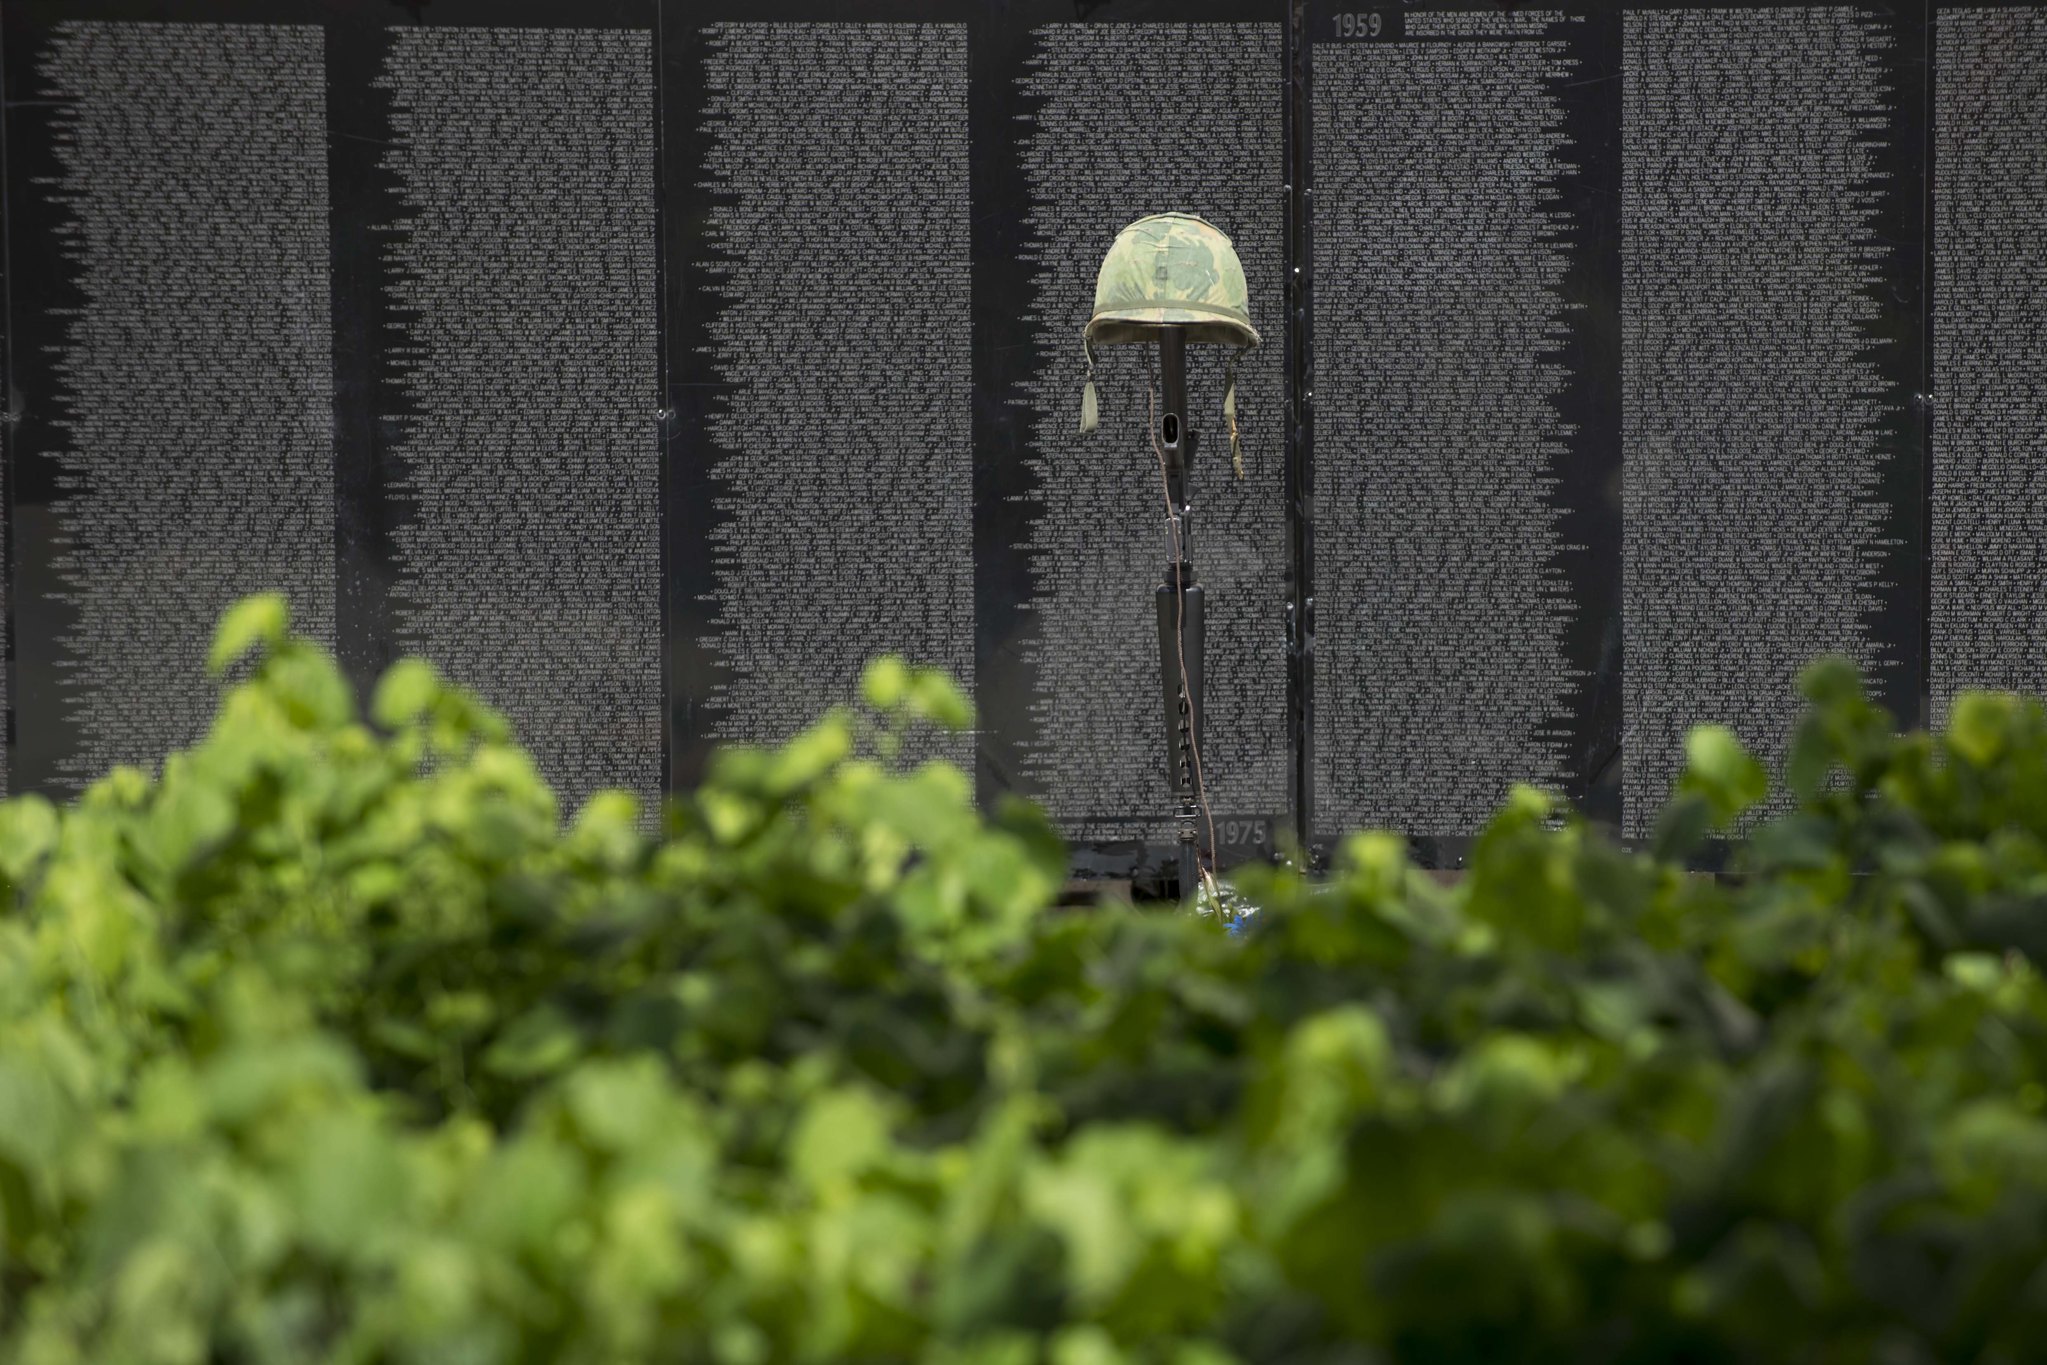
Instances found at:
x=332 y=1046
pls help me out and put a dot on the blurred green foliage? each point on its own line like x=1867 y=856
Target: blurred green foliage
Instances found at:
x=335 y=1045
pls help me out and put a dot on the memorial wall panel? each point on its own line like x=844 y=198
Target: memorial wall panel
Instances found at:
x=823 y=460
x=1989 y=344
x=1464 y=459
x=503 y=278
x=652 y=365
x=876 y=311
x=338 y=302
x=170 y=447
x=1771 y=222
x=1617 y=327
x=1082 y=128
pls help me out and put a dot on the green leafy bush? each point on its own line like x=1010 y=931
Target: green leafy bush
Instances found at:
x=333 y=1045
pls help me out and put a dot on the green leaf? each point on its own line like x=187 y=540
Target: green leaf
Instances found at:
x=885 y=683
x=539 y=1043
x=409 y=689
x=1831 y=681
x=1721 y=771
x=197 y=817
x=36 y=1118
x=1810 y=757
x=937 y=698
x=28 y=833
x=263 y=621
x=1978 y=724
x=841 y=1134
x=350 y=1187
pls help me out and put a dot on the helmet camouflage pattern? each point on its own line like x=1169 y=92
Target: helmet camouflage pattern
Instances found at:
x=1166 y=270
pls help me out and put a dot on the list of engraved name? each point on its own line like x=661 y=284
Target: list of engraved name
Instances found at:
x=1441 y=672
x=1989 y=602
x=1095 y=158
x=839 y=449
x=195 y=395
x=522 y=270
x=1754 y=412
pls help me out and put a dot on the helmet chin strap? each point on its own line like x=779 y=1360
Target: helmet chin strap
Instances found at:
x=1090 y=403
x=1230 y=414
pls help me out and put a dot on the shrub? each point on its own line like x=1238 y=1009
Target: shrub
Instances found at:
x=334 y=1045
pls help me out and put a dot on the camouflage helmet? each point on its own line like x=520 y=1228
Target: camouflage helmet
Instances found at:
x=1171 y=269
